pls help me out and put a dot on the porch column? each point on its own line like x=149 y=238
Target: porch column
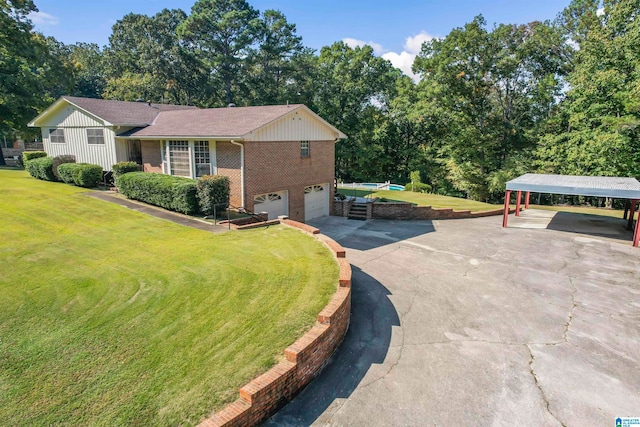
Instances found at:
x=632 y=212
x=526 y=200
x=518 y=199
x=505 y=214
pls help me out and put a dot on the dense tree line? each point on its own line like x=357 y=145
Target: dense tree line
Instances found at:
x=491 y=103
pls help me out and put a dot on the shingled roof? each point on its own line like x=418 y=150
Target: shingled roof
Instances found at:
x=165 y=121
x=124 y=112
x=214 y=122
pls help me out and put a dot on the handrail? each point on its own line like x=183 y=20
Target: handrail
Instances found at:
x=244 y=210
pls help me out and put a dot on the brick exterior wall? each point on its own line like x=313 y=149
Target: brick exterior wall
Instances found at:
x=304 y=359
x=269 y=167
x=277 y=166
x=151 y=156
x=228 y=158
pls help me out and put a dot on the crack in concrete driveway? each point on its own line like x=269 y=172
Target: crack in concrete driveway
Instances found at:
x=462 y=322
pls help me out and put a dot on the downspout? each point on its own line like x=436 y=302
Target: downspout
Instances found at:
x=241 y=169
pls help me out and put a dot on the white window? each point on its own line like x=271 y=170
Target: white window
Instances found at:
x=202 y=158
x=56 y=136
x=304 y=149
x=95 y=136
x=179 y=161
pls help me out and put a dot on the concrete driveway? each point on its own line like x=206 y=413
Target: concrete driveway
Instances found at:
x=461 y=322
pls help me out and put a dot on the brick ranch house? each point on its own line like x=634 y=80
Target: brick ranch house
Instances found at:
x=280 y=158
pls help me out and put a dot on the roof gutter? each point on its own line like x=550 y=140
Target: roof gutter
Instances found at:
x=241 y=169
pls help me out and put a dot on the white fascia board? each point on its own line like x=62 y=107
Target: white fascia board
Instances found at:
x=55 y=105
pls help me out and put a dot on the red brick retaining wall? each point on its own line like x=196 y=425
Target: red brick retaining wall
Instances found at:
x=304 y=359
x=391 y=210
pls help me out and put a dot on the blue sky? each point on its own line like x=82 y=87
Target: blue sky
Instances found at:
x=394 y=28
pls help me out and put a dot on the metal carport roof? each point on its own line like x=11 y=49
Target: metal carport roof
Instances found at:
x=596 y=186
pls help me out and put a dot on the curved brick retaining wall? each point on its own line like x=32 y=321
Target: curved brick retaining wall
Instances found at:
x=304 y=359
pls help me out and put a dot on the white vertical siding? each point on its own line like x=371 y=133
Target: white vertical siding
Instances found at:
x=297 y=126
x=122 y=150
x=70 y=117
x=76 y=143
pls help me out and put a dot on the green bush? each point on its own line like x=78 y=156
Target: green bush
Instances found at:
x=41 y=168
x=65 y=172
x=30 y=155
x=418 y=187
x=170 y=192
x=213 y=190
x=80 y=174
x=121 y=168
x=59 y=160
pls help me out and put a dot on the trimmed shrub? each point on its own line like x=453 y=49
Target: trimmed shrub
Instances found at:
x=30 y=155
x=87 y=175
x=41 y=168
x=121 y=168
x=213 y=190
x=81 y=174
x=65 y=172
x=418 y=187
x=169 y=192
x=59 y=160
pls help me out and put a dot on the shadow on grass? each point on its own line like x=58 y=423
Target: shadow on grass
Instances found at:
x=367 y=342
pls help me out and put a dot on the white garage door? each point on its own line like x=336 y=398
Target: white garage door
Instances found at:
x=275 y=204
x=316 y=201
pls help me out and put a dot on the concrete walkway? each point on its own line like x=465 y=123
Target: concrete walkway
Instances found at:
x=187 y=221
x=464 y=323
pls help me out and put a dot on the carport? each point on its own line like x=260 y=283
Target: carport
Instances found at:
x=595 y=186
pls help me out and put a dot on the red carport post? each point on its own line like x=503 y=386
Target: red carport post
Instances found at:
x=505 y=214
x=519 y=198
x=636 y=235
x=632 y=212
x=526 y=199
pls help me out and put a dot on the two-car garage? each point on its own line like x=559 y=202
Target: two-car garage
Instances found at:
x=316 y=202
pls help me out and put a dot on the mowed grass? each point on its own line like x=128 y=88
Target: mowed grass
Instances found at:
x=422 y=199
x=110 y=317
x=617 y=213
x=456 y=203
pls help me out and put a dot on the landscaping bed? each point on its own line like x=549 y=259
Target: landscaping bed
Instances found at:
x=111 y=317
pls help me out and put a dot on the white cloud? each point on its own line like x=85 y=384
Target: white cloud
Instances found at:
x=353 y=43
x=413 y=44
x=43 y=18
x=404 y=60
x=600 y=11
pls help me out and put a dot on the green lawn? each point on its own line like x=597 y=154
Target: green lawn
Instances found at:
x=437 y=201
x=582 y=210
x=110 y=317
x=422 y=199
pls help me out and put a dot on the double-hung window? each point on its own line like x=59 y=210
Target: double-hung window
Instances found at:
x=179 y=161
x=202 y=158
x=95 y=136
x=56 y=136
x=304 y=149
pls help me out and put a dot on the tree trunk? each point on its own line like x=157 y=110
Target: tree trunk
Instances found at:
x=2 y=162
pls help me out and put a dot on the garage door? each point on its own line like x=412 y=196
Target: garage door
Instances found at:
x=316 y=201
x=275 y=204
